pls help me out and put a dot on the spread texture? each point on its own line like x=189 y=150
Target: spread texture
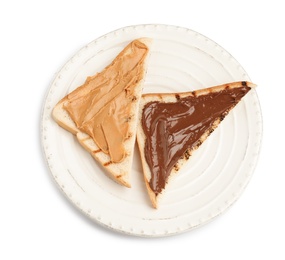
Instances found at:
x=102 y=106
x=173 y=128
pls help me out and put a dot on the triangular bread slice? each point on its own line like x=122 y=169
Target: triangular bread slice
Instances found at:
x=165 y=145
x=103 y=112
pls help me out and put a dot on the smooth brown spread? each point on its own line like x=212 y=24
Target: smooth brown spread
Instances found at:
x=173 y=128
x=101 y=107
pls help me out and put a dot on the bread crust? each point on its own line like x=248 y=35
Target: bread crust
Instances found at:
x=172 y=97
x=119 y=172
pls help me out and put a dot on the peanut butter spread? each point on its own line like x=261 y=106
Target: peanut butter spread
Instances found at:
x=102 y=106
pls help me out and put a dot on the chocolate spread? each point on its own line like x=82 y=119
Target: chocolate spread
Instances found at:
x=102 y=106
x=173 y=128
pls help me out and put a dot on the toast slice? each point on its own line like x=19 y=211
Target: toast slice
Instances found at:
x=172 y=126
x=103 y=112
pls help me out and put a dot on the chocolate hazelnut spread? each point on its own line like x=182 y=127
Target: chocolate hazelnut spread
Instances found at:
x=102 y=106
x=173 y=128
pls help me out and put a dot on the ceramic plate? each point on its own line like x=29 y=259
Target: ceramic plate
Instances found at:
x=215 y=176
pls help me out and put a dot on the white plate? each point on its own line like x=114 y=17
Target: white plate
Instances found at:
x=181 y=60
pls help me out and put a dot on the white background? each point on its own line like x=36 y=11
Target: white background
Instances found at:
x=37 y=38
